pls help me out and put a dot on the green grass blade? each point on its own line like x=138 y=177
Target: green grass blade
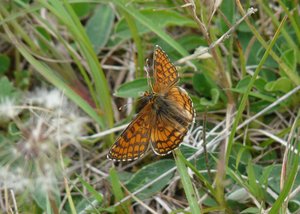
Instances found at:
x=247 y=92
x=288 y=184
x=117 y=191
x=137 y=41
x=49 y=75
x=95 y=193
x=149 y=24
x=66 y=15
x=291 y=74
x=186 y=182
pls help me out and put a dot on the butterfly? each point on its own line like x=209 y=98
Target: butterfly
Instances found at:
x=163 y=121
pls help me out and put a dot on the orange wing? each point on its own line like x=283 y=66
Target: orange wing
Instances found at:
x=181 y=104
x=166 y=135
x=165 y=73
x=134 y=140
x=171 y=127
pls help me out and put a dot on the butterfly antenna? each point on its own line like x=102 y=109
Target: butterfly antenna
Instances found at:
x=147 y=68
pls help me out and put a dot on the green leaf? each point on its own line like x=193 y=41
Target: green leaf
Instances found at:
x=201 y=84
x=41 y=197
x=147 y=174
x=4 y=63
x=228 y=10
x=163 y=18
x=243 y=83
x=136 y=14
x=7 y=89
x=239 y=195
x=259 y=84
x=255 y=188
x=251 y=210
x=266 y=175
x=214 y=98
x=43 y=32
x=135 y=88
x=282 y=84
x=99 y=26
x=289 y=57
x=82 y=9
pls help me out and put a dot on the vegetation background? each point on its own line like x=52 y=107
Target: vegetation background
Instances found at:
x=67 y=65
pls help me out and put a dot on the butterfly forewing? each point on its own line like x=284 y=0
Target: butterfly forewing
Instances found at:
x=134 y=140
x=165 y=73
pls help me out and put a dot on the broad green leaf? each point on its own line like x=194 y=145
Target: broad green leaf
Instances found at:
x=201 y=84
x=282 y=84
x=7 y=89
x=99 y=26
x=149 y=173
x=243 y=83
x=135 y=88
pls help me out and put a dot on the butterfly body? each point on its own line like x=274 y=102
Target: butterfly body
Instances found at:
x=163 y=121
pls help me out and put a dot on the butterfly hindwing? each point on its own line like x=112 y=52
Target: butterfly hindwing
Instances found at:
x=166 y=135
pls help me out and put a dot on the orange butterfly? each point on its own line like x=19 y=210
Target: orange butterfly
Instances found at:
x=163 y=121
